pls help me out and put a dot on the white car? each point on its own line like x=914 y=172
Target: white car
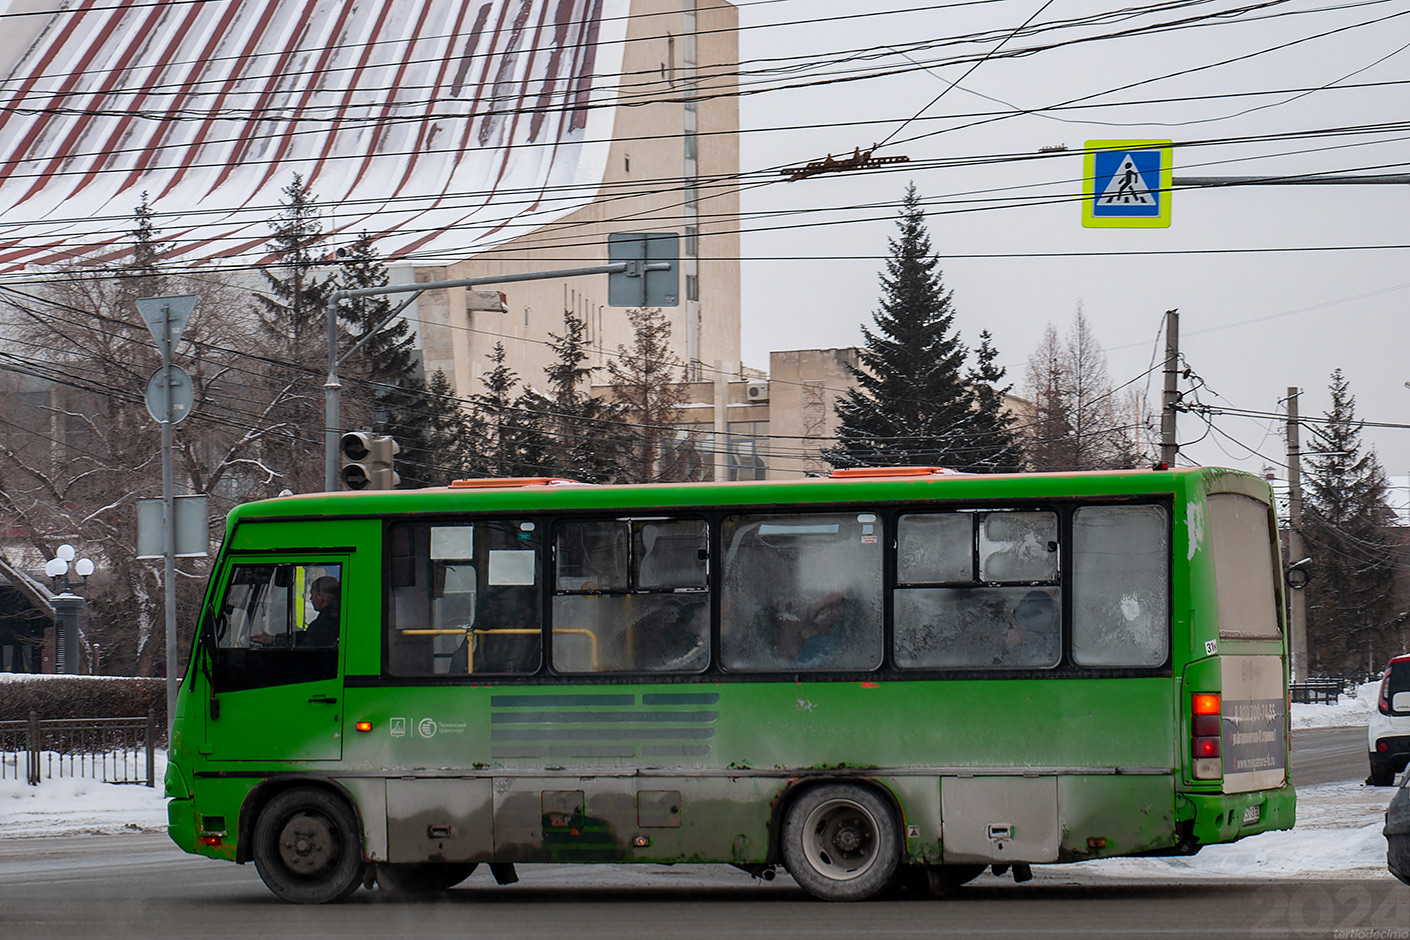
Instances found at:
x=1388 y=735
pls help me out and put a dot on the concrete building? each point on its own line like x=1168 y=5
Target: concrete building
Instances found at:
x=744 y=424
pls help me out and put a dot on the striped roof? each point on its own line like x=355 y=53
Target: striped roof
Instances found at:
x=439 y=127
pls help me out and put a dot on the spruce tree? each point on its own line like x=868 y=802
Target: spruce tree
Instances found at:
x=1350 y=624
x=292 y=316
x=994 y=424
x=583 y=439
x=448 y=450
x=383 y=383
x=508 y=428
x=912 y=403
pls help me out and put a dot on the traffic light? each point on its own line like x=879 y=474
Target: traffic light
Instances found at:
x=367 y=461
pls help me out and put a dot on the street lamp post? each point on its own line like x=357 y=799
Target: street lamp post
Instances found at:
x=67 y=605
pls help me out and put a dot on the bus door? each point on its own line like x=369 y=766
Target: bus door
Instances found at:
x=275 y=649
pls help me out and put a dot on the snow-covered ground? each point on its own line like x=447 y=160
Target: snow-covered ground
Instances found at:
x=1338 y=824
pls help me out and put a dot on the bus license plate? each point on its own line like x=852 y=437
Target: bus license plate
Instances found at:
x=1251 y=814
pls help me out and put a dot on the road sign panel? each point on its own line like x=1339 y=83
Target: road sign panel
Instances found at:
x=638 y=287
x=1126 y=184
x=167 y=313
x=178 y=386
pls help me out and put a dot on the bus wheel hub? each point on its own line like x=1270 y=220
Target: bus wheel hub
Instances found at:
x=306 y=845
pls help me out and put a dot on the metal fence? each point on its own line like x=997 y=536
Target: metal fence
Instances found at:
x=1324 y=691
x=114 y=750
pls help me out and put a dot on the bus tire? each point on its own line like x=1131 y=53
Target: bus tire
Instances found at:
x=422 y=877
x=308 y=847
x=841 y=842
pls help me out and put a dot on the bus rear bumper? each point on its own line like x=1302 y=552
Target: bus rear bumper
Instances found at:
x=1225 y=817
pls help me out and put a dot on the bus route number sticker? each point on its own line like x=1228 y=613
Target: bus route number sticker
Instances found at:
x=1211 y=647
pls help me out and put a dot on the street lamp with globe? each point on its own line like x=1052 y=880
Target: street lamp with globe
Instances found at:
x=67 y=605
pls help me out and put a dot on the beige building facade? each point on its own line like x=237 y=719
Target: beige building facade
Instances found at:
x=670 y=168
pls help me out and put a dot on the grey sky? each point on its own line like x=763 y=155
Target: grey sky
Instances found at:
x=1252 y=323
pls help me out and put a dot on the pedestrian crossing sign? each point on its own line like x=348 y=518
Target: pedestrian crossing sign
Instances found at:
x=1126 y=184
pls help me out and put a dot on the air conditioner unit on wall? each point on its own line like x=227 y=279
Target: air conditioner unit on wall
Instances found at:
x=757 y=391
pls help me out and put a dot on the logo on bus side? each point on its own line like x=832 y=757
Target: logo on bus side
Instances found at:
x=427 y=728
x=397 y=726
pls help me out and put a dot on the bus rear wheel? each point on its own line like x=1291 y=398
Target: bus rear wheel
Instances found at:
x=841 y=842
x=308 y=847
x=422 y=877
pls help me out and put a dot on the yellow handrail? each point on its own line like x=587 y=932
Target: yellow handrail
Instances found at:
x=470 y=660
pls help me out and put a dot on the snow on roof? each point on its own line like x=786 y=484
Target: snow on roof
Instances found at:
x=439 y=127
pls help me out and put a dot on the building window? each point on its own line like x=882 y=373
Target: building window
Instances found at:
x=692 y=241
x=692 y=287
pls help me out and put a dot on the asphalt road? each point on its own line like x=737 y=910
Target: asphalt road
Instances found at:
x=141 y=885
x=1329 y=755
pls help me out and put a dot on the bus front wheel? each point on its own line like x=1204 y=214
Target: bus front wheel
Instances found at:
x=308 y=847
x=841 y=842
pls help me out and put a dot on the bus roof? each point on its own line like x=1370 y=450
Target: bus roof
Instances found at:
x=529 y=494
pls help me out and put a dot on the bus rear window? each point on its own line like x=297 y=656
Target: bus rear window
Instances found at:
x=1245 y=567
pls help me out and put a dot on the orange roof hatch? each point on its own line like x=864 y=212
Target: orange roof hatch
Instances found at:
x=853 y=473
x=502 y=482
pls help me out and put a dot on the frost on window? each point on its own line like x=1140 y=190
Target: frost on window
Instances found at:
x=1120 y=586
x=631 y=596
x=935 y=549
x=1018 y=546
x=978 y=628
x=802 y=592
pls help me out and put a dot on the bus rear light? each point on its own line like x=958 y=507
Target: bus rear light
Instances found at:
x=1205 y=736
x=1205 y=703
x=1205 y=726
x=210 y=838
x=1382 y=746
x=363 y=726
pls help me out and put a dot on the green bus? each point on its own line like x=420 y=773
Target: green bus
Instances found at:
x=875 y=679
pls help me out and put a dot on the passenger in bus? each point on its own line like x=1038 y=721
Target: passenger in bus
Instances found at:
x=811 y=635
x=324 y=596
x=1033 y=635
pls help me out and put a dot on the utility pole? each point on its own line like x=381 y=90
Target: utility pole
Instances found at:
x=1170 y=398
x=1297 y=605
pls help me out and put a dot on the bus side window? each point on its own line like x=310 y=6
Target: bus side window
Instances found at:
x=977 y=590
x=1120 y=586
x=464 y=599
x=630 y=595
x=802 y=592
